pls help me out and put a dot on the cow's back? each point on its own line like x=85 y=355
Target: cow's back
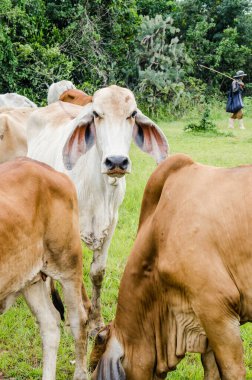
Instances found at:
x=15 y=100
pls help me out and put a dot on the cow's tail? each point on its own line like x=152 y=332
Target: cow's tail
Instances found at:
x=57 y=300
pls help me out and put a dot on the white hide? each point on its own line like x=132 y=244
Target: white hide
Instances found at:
x=99 y=196
x=57 y=139
x=15 y=100
x=57 y=89
x=13 y=139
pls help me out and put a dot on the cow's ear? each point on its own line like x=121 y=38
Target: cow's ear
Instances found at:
x=80 y=140
x=99 y=347
x=149 y=137
x=102 y=335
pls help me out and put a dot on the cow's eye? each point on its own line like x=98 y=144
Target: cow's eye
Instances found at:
x=132 y=115
x=95 y=114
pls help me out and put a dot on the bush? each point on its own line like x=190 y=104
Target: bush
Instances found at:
x=205 y=125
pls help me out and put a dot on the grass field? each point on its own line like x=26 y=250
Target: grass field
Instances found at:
x=20 y=346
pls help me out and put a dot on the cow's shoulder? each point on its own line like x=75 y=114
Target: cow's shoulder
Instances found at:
x=155 y=184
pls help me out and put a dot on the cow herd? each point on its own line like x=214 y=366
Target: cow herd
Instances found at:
x=187 y=284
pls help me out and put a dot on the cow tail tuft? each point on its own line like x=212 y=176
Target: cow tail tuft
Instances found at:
x=57 y=301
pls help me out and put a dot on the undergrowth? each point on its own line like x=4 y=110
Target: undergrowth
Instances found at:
x=206 y=125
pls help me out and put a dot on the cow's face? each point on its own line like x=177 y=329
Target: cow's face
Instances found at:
x=109 y=360
x=111 y=121
x=114 y=110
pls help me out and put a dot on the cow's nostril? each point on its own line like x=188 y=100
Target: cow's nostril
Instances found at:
x=124 y=164
x=110 y=165
x=120 y=162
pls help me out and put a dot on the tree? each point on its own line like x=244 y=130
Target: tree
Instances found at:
x=30 y=61
x=160 y=58
x=213 y=31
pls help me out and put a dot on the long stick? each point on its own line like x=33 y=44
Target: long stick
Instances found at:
x=209 y=68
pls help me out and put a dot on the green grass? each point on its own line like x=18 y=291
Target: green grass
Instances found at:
x=20 y=346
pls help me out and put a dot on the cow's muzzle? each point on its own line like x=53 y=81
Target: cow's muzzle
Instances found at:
x=116 y=166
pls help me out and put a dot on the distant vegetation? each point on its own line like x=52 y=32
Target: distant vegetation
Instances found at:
x=206 y=125
x=152 y=47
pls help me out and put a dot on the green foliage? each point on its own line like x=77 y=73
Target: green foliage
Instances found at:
x=118 y=23
x=152 y=8
x=44 y=41
x=216 y=34
x=229 y=49
x=151 y=47
x=160 y=57
x=30 y=62
x=206 y=125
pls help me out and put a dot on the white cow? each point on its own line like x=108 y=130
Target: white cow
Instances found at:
x=57 y=89
x=15 y=100
x=13 y=140
x=93 y=149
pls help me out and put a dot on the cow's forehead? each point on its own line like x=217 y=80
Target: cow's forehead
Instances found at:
x=114 y=98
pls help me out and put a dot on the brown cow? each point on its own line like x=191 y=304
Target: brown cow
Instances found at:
x=75 y=96
x=39 y=232
x=187 y=285
x=66 y=91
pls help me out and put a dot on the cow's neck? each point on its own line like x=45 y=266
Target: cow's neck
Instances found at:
x=99 y=198
x=151 y=312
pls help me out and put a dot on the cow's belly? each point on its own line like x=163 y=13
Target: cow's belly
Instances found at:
x=21 y=262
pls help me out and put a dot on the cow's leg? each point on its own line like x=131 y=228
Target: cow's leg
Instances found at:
x=75 y=299
x=228 y=350
x=223 y=331
x=211 y=371
x=97 y=273
x=38 y=300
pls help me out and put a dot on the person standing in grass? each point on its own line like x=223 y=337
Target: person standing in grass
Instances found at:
x=237 y=88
